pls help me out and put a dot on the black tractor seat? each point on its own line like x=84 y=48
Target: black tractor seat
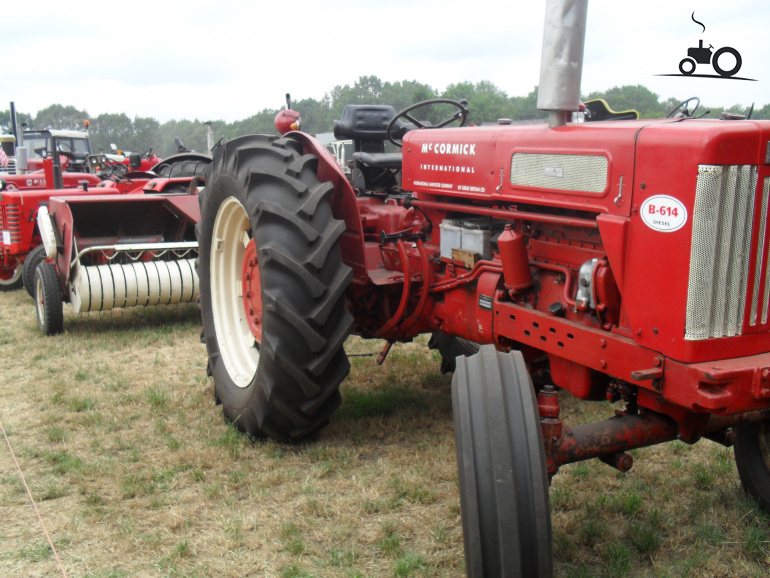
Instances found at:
x=365 y=125
x=379 y=160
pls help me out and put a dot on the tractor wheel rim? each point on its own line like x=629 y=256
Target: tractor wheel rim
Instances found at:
x=40 y=301
x=9 y=275
x=252 y=290
x=238 y=344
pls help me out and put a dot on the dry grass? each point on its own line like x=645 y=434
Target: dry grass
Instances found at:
x=136 y=474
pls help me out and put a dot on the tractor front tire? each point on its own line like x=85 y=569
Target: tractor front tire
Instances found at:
x=48 y=300
x=272 y=285
x=752 y=458
x=501 y=464
x=34 y=258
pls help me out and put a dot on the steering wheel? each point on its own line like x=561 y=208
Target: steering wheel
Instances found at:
x=461 y=114
x=107 y=162
x=684 y=105
x=120 y=179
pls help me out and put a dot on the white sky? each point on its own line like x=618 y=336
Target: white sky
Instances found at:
x=228 y=59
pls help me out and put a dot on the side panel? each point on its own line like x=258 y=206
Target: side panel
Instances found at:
x=587 y=167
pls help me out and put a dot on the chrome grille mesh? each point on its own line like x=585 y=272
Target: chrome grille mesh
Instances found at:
x=759 y=259
x=585 y=173
x=722 y=221
x=12 y=223
x=10 y=168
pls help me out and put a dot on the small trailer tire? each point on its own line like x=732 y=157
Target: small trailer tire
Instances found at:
x=504 y=500
x=752 y=458
x=34 y=258
x=10 y=277
x=48 y=300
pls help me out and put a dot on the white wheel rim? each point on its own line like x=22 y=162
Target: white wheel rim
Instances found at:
x=237 y=346
x=39 y=301
x=13 y=278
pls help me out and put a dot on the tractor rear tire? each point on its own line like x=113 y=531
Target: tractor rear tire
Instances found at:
x=272 y=286
x=502 y=470
x=48 y=300
x=450 y=348
x=752 y=458
x=10 y=277
x=34 y=258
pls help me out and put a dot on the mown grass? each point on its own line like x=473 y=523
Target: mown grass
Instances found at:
x=136 y=473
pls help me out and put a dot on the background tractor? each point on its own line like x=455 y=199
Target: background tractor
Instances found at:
x=623 y=261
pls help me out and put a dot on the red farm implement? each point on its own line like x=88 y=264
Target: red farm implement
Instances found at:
x=103 y=252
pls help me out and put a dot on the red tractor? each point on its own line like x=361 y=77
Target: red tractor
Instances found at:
x=19 y=236
x=624 y=261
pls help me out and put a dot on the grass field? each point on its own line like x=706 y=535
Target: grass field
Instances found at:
x=136 y=474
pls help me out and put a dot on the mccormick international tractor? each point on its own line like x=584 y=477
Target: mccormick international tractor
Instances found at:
x=626 y=260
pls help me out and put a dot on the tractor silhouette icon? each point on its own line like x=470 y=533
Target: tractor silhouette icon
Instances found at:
x=701 y=55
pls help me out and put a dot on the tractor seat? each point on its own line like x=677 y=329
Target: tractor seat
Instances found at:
x=599 y=110
x=366 y=125
x=379 y=160
x=364 y=122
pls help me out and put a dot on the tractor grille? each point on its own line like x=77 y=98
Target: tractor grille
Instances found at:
x=11 y=224
x=584 y=173
x=720 y=257
x=11 y=168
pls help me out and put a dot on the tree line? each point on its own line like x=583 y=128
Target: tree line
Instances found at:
x=486 y=103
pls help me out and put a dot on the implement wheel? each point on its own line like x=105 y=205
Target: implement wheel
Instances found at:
x=34 y=258
x=272 y=285
x=10 y=277
x=752 y=457
x=48 y=300
x=501 y=464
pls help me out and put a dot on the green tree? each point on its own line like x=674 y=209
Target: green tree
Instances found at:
x=403 y=94
x=636 y=97
x=525 y=107
x=486 y=102
x=5 y=120
x=60 y=117
x=107 y=129
x=315 y=114
x=146 y=134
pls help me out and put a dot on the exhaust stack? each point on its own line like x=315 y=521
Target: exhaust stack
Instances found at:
x=561 y=61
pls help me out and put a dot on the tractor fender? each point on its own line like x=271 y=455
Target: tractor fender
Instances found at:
x=344 y=205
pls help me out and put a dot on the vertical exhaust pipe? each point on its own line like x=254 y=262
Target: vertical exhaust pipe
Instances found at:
x=209 y=136
x=14 y=124
x=561 y=61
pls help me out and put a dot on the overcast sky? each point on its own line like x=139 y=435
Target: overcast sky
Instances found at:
x=228 y=59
